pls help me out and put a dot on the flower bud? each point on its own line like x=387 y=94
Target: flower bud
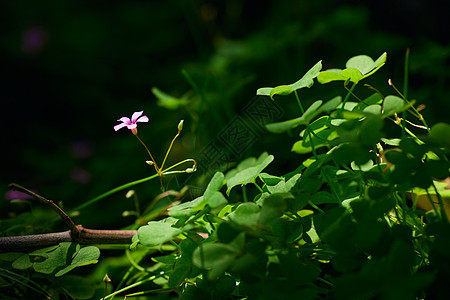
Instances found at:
x=180 y=125
x=129 y=194
x=150 y=162
x=191 y=170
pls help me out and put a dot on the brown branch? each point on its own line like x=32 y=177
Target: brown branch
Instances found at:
x=84 y=237
x=76 y=233
x=66 y=219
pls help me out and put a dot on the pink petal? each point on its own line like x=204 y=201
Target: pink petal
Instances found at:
x=131 y=126
x=125 y=120
x=142 y=119
x=136 y=115
x=117 y=127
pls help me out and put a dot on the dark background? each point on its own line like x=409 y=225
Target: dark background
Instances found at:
x=72 y=68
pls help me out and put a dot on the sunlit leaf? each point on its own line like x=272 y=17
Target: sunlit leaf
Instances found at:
x=305 y=81
x=157 y=233
x=168 y=101
x=250 y=173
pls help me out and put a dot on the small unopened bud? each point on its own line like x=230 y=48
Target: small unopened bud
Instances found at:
x=180 y=125
x=129 y=194
x=150 y=162
x=106 y=278
x=191 y=170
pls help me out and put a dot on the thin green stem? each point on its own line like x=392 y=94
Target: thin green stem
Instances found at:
x=316 y=207
x=170 y=148
x=405 y=75
x=431 y=201
x=130 y=286
x=149 y=153
x=136 y=204
x=179 y=163
x=299 y=103
x=115 y=190
x=441 y=204
x=405 y=91
x=258 y=187
x=132 y=262
x=350 y=92
x=244 y=193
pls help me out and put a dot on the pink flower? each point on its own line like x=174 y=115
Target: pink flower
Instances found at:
x=131 y=124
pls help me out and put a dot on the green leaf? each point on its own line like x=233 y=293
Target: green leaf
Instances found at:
x=249 y=174
x=180 y=273
x=371 y=100
x=273 y=207
x=440 y=134
x=57 y=258
x=85 y=256
x=305 y=81
x=157 y=233
x=377 y=64
x=361 y=62
x=284 y=186
x=10 y=256
x=212 y=195
x=357 y=68
x=371 y=130
x=309 y=114
x=392 y=104
x=188 y=208
x=216 y=183
x=351 y=74
x=168 y=101
x=22 y=263
x=246 y=214
x=215 y=257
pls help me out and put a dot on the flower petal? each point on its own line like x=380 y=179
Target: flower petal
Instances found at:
x=143 y=119
x=125 y=120
x=136 y=115
x=117 y=127
x=132 y=126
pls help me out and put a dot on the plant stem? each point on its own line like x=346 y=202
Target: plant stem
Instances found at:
x=149 y=153
x=244 y=193
x=179 y=163
x=258 y=187
x=441 y=204
x=350 y=92
x=299 y=103
x=65 y=217
x=131 y=286
x=115 y=190
x=168 y=150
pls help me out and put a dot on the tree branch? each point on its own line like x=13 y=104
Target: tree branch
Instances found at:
x=76 y=233
x=84 y=237
x=66 y=219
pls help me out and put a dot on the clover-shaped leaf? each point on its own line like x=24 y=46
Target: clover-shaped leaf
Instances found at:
x=315 y=109
x=253 y=167
x=305 y=81
x=157 y=233
x=357 y=68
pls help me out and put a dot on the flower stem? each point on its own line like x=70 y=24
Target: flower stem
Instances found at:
x=299 y=103
x=149 y=153
x=170 y=148
x=179 y=163
x=115 y=190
